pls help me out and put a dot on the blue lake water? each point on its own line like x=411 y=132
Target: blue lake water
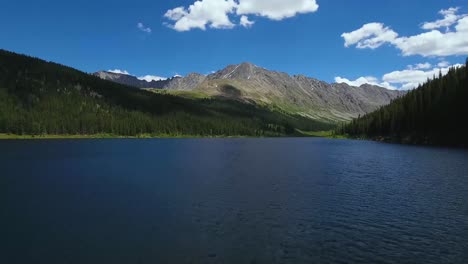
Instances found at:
x=286 y=200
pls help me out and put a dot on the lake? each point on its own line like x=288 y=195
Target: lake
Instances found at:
x=303 y=200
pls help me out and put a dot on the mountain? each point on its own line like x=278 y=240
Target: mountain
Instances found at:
x=187 y=83
x=296 y=94
x=131 y=80
x=432 y=114
x=39 y=97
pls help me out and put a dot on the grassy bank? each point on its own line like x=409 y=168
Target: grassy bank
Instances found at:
x=323 y=134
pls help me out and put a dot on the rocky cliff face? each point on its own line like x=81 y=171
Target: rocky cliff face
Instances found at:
x=297 y=94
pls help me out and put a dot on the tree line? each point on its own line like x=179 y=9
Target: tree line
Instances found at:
x=40 y=98
x=434 y=113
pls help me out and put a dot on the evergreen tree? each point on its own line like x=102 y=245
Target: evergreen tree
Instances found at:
x=434 y=113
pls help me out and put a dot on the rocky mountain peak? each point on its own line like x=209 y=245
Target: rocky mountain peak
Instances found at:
x=243 y=71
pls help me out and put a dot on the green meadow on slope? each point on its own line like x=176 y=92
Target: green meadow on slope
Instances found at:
x=44 y=98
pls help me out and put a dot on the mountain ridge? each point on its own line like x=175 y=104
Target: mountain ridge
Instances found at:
x=160 y=84
x=299 y=94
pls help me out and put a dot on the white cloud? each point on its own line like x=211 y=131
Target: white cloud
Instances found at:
x=420 y=66
x=427 y=44
x=450 y=18
x=150 y=78
x=371 y=35
x=245 y=22
x=401 y=80
x=217 y=13
x=147 y=78
x=119 y=71
x=176 y=13
x=276 y=9
x=365 y=80
x=203 y=13
x=358 y=82
x=142 y=28
x=443 y=64
x=414 y=77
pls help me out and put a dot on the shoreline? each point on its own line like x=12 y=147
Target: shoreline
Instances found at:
x=407 y=141
x=102 y=136
x=5 y=136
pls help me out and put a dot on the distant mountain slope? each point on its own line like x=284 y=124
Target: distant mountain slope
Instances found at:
x=187 y=83
x=39 y=97
x=435 y=113
x=296 y=94
x=131 y=80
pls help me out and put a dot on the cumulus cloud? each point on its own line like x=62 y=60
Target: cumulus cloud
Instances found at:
x=402 y=79
x=372 y=35
x=119 y=71
x=218 y=13
x=412 y=78
x=245 y=22
x=450 y=18
x=420 y=66
x=142 y=28
x=443 y=64
x=203 y=13
x=150 y=78
x=276 y=9
x=365 y=80
x=454 y=41
x=147 y=78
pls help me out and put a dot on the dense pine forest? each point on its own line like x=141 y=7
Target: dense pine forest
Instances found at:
x=44 y=98
x=435 y=113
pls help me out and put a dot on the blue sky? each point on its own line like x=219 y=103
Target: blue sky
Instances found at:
x=103 y=35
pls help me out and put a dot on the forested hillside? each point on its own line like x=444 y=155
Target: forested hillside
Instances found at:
x=39 y=97
x=435 y=113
